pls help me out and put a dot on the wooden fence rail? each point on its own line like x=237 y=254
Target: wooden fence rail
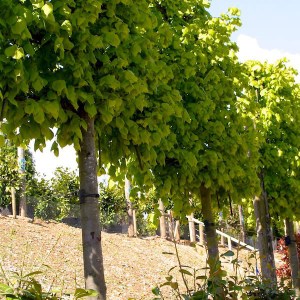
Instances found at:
x=223 y=235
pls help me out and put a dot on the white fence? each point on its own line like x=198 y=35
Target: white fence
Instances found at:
x=230 y=239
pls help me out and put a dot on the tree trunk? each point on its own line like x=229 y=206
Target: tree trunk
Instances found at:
x=242 y=224
x=22 y=171
x=129 y=209
x=265 y=237
x=293 y=255
x=89 y=209
x=210 y=230
x=162 y=221
x=13 y=202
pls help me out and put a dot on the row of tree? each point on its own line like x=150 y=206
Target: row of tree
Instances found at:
x=154 y=90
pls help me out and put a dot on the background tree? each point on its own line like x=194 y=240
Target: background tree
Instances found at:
x=209 y=156
x=10 y=175
x=55 y=198
x=274 y=97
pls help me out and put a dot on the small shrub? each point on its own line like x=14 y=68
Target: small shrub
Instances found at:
x=199 y=286
x=27 y=287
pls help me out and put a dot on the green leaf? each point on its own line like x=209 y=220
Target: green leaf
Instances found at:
x=58 y=44
x=156 y=291
x=191 y=159
x=30 y=106
x=119 y=122
x=80 y=293
x=29 y=49
x=228 y=253
x=110 y=81
x=90 y=109
x=33 y=273
x=59 y=86
x=66 y=25
x=5 y=289
x=186 y=272
x=52 y=108
x=37 y=3
x=19 y=27
x=112 y=39
x=129 y=75
x=39 y=83
x=10 y=51
x=55 y=149
x=19 y=54
x=47 y=9
x=39 y=115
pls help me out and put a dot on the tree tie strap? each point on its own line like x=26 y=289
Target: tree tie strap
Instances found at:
x=82 y=195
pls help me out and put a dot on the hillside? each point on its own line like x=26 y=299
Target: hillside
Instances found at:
x=133 y=266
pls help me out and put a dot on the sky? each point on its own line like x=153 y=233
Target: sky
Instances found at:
x=270 y=30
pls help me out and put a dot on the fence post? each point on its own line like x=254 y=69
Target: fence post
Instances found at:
x=170 y=223
x=229 y=243
x=134 y=222
x=192 y=228
x=201 y=234
x=222 y=238
x=13 y=202
x=177 y=231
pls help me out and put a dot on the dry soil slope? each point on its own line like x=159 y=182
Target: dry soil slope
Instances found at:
x=133 y=266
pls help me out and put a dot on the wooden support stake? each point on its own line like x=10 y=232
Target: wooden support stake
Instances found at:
x=192 y=228
x=201 y=234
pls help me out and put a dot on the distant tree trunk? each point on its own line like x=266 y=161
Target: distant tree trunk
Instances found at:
x=242 y=224
x=265 y=237
x=129 y=208
x=162 y=221
x=89 y=209
x=13 y=202
x=210 y=229
x=293 y=255
x=22 y=171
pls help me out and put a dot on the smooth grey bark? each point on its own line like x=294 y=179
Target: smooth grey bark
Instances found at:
x=293 y=255
x=209 y=229
x=213 y=258
x=89 y=209
x=130 y=217
x=242 y=224
x=162 y=221
x=23 y=204
x=264 y=237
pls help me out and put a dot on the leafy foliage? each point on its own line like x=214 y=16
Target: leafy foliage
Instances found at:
x=112 y=205
x=56 y=198
x=9 y=172
x=273 y=96
x=202 y=287
x=29 y=288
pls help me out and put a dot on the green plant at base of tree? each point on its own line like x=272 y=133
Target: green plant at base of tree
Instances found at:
x=203 y=287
